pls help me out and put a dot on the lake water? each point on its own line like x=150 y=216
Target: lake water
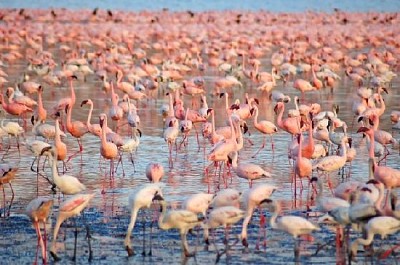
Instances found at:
x=108 y=213
x=197 y=5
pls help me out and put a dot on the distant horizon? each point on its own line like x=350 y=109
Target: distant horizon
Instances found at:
x=217 y=5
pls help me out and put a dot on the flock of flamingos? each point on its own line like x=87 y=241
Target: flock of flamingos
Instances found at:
x=186 y=59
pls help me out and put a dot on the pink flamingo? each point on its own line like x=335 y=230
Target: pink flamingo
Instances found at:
x=70 y=208
x=170 y=135
x=154 y=172
x=40 y=112
x=76 y=128
x=107 y=149
x=302 y=165
x=266 y=128
x=38 y=210
x=116 y=112
x=290 y=124
x=63 y=102
x=387 y=175
x=60 y=145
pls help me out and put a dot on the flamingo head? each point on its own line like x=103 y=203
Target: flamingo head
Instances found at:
x=363 y=129
x=84 y=102
x=277 y=107
x=157 y=197
x=350 y=141
x=101 y=120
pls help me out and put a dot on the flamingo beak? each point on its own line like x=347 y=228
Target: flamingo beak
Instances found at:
x=84 y=102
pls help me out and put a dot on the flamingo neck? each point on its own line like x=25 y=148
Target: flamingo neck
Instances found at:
x=89 y=116
x=54 y=172
x=379 y=201
x=272 y=221
x=73 y=96
x=161 y=223
x=256 y=117
x=57 y=137
x=103 y=133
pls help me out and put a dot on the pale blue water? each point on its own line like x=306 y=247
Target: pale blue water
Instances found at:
x=198 y=5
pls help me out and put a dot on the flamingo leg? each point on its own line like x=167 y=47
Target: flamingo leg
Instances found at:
x=89 y=237
x=12 y=198
x=76 y=240
x=261 y=147
x=144 y=236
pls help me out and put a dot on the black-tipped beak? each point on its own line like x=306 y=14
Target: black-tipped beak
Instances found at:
x=157 y=197
x=46 y=149
x=84 y=102
x=140 y=132
x=266 y=201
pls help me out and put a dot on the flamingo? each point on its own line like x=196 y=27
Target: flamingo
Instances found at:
x=14 y=108
x=63 y=102
x=264 y=127
x=40 y=112
x=182 y=220
x=12 y=129
x=70 y=208
x=38 y=210
x=170 y=135
x=141 y=197
x=294 y=225
x=154 y=172
x=94 y=129
x=290 y=124
x=390 y=177
x=68 y=185
x=198 y=203
x=302 y=165
x=7 y=176
x=226 y=197
x=381 y=225
x=76 y=128
x=248 y=171
x=131 y=145
x=108 y=150
x=60 y=145
x=252 y=199
x=334 y=162
x=18 y=98
x=222 y=216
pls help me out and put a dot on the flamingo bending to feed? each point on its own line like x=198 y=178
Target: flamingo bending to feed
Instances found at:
x=182 y=220
x=38 y=210
x=70 y=208
x=142 y=197
x=253 y=198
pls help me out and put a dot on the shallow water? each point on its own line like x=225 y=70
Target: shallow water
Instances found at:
x=108 y=214
x=196 y=5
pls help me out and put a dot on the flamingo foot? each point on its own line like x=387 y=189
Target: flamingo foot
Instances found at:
x=55 y=257
x=130 y=251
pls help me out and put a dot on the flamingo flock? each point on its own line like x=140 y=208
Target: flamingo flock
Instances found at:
x=323 y=95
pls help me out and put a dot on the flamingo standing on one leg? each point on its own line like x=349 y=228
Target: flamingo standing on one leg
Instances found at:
x=38 y=211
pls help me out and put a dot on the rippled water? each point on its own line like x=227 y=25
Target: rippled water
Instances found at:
x=108 y=214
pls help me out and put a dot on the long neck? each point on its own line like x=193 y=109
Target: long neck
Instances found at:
x=234 y=160
x=54 y=171
x=212 y=122
x=299 y=154
x=57 y=137
x=73 y=97
x=171 y=106
x=239 y=140
x=274 y=216
x=69 y=114
x=279 y=117
x=40 y=101
x=256 y=117
x=162 y=215
x=344 y=148
x=89 y=118
x=11 y=97
x=378 y=202
x=103 y=133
